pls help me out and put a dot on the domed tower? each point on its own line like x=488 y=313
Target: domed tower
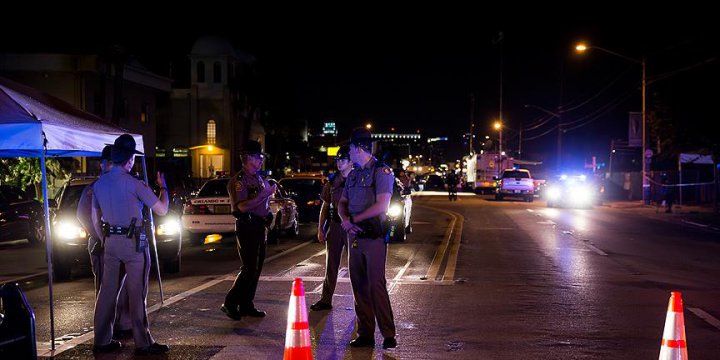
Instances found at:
x=220 y=118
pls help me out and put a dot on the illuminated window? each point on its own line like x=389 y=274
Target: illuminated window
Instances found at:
x=200 y=71
x=144 y=113
x=211 y=132
x=217 y=72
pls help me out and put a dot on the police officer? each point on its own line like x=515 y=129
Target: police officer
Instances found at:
x=86 y=216
x=362 y=208
x=329 y=230
x=452 y=182
x=249 y=194
x=119 y=198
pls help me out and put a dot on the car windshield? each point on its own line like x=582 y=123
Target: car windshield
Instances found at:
x=214 y=188
x=303 y=187
x=70 y=197
x=516 y=175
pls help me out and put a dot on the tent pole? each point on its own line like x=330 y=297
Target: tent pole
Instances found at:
x=152 y=236
x=48 y=248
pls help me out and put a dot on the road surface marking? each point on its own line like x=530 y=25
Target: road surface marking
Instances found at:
x=705 y=316
x=440 y=252
x=90 y=335
x=453 y=246
x=454 y=250
x=401 y=273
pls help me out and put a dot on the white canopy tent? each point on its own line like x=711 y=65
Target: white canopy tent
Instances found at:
x=34 y=124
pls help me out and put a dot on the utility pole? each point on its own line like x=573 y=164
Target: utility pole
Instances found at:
x=472 y=121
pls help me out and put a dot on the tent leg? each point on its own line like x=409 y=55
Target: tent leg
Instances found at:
x=48 y=248
x=152 y=236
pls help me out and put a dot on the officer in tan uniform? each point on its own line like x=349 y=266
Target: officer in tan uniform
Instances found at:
x=249 y=194
x=119 y=198
x=86 y=217
x=363 y=207
x=329 y=230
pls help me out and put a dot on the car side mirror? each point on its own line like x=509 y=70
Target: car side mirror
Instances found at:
x=52 y=203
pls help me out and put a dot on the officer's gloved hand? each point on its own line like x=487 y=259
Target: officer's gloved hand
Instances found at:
x=161 y=180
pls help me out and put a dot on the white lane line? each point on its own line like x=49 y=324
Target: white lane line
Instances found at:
x=454 y=251
x=23 y=278
x=401 y=273
x=593 y=248
x=90 y=335
x=705 y=316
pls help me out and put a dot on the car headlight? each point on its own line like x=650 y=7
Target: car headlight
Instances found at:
x=581 y=195
x=169 y=227
x=394 y=211
x=553 y=193
x=68 y=230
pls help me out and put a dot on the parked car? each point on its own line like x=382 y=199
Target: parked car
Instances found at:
x=21 y=217
x=210 y=212
x=434 y=182
x=285 y=213
x=305 y=189
x=70 y=239
x=399 y=212
x=515 y=183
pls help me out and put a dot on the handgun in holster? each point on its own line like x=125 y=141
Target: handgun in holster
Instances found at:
x=99 y=246
x=371 y=228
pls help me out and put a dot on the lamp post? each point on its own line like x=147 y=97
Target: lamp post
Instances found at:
x=645 y=182
x=498 y=126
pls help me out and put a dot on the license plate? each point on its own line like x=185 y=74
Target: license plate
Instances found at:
x=517 y=191
x=222 y=209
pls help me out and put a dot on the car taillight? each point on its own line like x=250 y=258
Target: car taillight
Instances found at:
x=191 y=209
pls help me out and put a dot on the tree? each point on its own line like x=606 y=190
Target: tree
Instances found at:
x=25 y=172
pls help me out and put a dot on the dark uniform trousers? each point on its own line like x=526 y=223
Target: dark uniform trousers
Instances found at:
x=335 y=241
x=250 y=238
x=119 y=250
x=367 y=276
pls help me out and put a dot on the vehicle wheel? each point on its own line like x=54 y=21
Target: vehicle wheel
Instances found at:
x=294 y=230
x=400 y=234
x=172 y=266
x=62 y=271
x=274 y=234
x=196 y=239
x=36 y=232
x=530 y=198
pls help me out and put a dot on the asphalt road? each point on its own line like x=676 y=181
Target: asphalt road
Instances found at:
x=477 y=279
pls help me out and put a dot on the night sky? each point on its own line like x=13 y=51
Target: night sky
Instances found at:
x=408 y=71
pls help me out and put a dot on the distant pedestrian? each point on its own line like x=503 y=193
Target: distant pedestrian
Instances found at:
x=452 y=182
x=668 y=195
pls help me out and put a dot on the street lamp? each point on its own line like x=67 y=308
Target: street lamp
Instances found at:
x=646 y=183
x=498 y=127
x=368 y=126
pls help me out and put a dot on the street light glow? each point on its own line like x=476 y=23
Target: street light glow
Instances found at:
x=368 y=126
x=581 y=47
x=497 y=125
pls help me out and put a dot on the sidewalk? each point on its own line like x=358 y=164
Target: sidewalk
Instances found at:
x=703 y=216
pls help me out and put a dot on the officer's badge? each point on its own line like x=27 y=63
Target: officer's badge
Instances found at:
x=238 y=186
x=387 y=171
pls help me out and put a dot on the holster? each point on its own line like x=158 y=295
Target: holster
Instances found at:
x=141 y=234
x=371 y=228
x=98 y=249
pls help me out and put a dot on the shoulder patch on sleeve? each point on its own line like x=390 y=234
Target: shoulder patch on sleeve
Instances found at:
x=238 y=186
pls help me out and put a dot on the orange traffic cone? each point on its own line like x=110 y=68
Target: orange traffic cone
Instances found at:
x=297 y=336
x=674 y=345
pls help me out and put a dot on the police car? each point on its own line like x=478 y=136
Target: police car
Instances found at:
x=70 y=240
x=210 y=213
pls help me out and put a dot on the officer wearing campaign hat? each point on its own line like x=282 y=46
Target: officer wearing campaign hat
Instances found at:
x=329 y=230
x=362 y=208
x=249 y=196
x=119 y=199
x=85 y=215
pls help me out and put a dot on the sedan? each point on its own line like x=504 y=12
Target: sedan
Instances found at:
x=20 y=216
